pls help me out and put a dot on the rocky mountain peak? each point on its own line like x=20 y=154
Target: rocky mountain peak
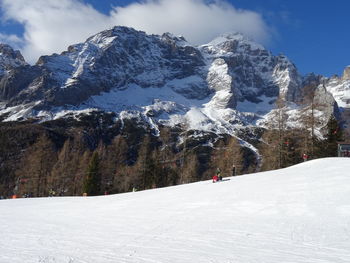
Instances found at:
x=233 y=42
x=7 y=51
x=175 y=40
x=120 y=32
x=346 y=73
x=10 y=58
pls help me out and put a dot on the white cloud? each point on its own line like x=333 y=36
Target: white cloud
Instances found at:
x=51 y=25
x=12 y=40
x=197 y=21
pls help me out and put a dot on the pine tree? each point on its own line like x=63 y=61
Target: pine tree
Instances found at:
x=190 y=169
x=92 y=181
x=63 y=171
x=333 y=136
x=270 y=150
x=310 y=118
x=37 y=166
x=146 y=166
x=108 y=165
x=274 y=147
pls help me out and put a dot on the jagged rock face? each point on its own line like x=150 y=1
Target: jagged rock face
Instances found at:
x=13 y=72
x=19 y=84
x=346 y=74
x=9 y=58
x=250 y=70
x=115 y=58
x=287 y=78
x=340 y=89
x=326 y=102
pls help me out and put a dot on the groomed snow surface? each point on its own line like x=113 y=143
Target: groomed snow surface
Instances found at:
x=298 y=214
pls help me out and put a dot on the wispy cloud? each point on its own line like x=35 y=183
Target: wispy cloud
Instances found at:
x=51 y=25
x=13 y=40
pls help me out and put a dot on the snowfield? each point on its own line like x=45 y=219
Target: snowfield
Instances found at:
x=297 y=214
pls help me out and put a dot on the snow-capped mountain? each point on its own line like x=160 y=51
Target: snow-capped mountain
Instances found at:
x=227 y=83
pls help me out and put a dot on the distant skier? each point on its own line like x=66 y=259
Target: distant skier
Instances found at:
x=215 y=178
x=218 y=174
x=233 y=170
x=52 y=193
x=305 y=157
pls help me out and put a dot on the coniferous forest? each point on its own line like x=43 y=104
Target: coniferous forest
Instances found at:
x=98 y=155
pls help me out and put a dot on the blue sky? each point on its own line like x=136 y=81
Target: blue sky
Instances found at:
x=313 y=34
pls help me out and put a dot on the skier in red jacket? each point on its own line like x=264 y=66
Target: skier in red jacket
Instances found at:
x=305 y=157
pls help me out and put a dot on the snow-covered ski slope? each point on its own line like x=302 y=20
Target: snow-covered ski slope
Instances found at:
x=298 y=214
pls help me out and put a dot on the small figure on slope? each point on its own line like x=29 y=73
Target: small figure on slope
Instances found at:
x=305 y=157
x=218 y=174
x=233 y=170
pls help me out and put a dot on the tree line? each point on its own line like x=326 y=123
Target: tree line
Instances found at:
x=71 y=159
x=98 y=156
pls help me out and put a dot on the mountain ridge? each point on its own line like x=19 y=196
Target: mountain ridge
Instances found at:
x=228 y=82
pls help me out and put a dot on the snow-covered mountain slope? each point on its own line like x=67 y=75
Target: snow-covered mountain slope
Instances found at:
x=298 y=214
x=218 y=87
x=340 y=88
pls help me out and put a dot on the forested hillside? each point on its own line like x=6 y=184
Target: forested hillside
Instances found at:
x=98 y=155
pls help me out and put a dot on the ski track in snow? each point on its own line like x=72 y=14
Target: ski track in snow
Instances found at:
x=298 y=214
